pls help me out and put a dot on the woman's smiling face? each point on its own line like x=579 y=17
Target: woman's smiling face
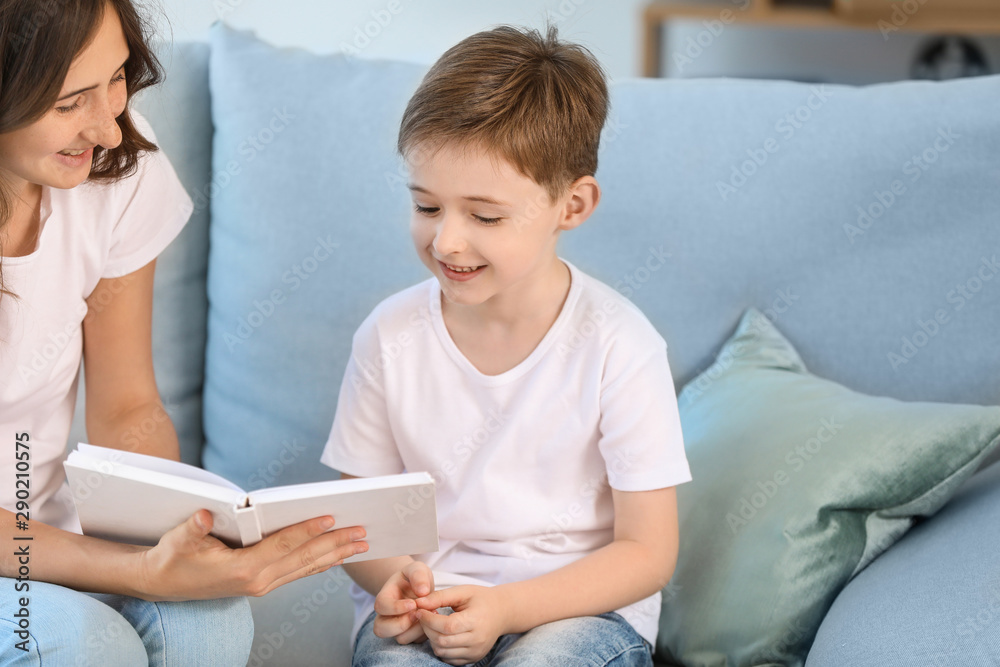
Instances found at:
x=57 y=149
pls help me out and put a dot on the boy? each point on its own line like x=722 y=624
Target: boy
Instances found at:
x=539 y=398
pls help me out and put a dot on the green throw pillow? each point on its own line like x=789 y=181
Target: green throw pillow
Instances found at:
x=799 y=483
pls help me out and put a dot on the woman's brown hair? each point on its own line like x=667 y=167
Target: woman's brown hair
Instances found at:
x=39 y=39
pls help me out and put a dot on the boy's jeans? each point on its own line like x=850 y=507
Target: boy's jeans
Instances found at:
x=596 y=641
x=68 y=628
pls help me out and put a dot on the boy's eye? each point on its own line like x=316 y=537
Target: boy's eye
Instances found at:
x=487 y=221
x=425 y=210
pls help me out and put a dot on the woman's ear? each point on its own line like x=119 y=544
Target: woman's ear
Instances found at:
x=583 y=196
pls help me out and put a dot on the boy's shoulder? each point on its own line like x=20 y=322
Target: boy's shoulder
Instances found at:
x=602 y=308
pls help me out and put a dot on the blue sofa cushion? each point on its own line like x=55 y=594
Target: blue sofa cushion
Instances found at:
x=309 y=232
x=179 y=113
x=699 y=220
x=933 y=599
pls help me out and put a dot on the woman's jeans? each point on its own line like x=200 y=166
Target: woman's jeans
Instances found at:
x=70 y=629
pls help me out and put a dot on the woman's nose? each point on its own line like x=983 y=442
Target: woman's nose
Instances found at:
x=103 y=129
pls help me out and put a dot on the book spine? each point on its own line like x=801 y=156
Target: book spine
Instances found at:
x=249 y=525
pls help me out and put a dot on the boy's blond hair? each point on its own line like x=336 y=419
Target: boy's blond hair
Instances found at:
x=530 y=99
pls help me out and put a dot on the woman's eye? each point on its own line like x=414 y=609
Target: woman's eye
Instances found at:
x=425 y=210
x=76 y=104
x=487 y=221
x=72 y=107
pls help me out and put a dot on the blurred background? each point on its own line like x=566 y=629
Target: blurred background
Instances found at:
x=837 y=41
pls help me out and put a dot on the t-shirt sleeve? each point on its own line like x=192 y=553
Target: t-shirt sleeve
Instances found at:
x=153 y=208
x=361 y=441
x=640 y=427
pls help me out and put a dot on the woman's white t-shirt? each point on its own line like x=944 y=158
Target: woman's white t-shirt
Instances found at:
x=524 y=461
x=90 y=232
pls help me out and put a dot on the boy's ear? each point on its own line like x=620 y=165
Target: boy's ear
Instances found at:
x=583 y=196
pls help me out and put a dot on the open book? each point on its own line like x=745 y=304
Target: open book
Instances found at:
x=135 y=498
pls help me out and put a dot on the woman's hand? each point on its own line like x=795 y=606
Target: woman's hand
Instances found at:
x=396 y=607
x=190 y=564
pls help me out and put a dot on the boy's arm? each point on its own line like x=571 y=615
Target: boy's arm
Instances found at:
x=638 y=563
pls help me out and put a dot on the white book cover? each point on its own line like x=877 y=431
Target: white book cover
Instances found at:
x=135 y=498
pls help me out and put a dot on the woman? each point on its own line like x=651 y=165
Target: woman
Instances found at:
x=86 y=205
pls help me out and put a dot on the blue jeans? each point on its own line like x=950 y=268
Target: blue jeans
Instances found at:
x=592 y=641
x=70 y=629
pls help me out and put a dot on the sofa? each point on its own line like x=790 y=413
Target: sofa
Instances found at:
x=850 y=218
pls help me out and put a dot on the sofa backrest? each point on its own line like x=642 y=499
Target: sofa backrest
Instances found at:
x=864 y=221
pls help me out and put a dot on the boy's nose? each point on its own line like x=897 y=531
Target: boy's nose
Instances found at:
x=448 y=239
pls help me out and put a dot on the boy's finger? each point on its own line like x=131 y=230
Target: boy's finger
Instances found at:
x=391 y=626
x=414 y=635
x=446 y=597
x=418 y=576
x=390 y=606
x=441 y=623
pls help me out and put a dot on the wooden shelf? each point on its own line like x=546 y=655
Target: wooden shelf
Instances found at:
x=763 y=13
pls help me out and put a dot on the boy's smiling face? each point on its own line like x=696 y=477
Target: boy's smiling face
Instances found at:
x=475 y=211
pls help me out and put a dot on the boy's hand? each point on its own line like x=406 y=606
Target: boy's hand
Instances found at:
x=396 y=607
x=479 y=618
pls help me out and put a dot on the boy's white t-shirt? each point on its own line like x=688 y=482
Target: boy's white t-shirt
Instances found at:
x=90 y=232
x=521 y=460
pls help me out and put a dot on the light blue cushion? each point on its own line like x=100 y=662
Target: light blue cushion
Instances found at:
x=779 y=241
x=933 y=599
x=178 y=111
x=309 y=231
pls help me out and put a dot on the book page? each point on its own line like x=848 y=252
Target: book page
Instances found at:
x=124 y=503
x=154 y=463
x=398 y=512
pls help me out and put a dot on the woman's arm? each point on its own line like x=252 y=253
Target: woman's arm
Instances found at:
x=186 y=564
x=124 y=412
x=123 y=403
